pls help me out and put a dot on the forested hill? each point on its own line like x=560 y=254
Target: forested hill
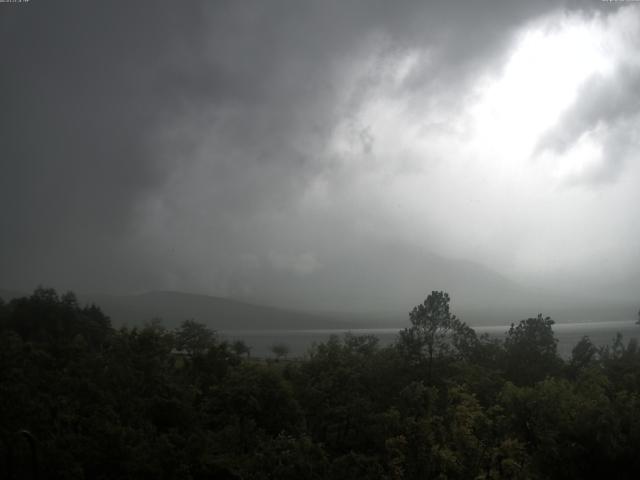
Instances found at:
x=215 y=312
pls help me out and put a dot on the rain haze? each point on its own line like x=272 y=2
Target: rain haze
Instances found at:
x=325 y=156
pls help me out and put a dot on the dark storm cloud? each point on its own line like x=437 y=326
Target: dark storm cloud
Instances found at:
x=241 y=166
x=167 y=144
x=80 y=97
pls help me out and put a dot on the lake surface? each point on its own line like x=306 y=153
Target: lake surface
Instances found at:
x=299 y=341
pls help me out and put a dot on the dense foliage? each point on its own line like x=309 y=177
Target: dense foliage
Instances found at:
x=80 y=399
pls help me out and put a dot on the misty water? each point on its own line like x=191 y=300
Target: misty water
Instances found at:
x=299 y=341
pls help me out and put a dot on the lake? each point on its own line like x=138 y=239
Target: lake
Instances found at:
x=299 y=341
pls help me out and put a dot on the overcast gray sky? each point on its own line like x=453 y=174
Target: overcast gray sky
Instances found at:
x=330 y=154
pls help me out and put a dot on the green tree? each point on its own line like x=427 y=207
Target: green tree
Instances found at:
x=583 y=354
x=435 y=332
x=240 y=348
x=194 y=338
x=531 y=351
x=280 y=350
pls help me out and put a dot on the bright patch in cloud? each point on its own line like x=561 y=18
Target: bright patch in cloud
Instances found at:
x=539 y=82
x=467 y=180
x=583 y=160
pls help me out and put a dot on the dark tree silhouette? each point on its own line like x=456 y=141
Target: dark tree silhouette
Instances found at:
x=435 y=332
x=194 y=338
x=126 y=403
x=280 y=350
x=531 y=350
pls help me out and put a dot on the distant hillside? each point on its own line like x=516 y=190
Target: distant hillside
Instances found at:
x=493 y=303
x=386 y=280
x=217 y=313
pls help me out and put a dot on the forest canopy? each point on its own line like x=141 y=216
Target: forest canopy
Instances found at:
x=82 y=399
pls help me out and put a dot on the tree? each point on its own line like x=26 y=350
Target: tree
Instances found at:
x=583 y=354
x=240 y=348
x=280 y=350
x=435 y=332
x=531 y=350
x=194 y=338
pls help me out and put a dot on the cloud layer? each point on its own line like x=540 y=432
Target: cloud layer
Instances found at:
x=275 y=151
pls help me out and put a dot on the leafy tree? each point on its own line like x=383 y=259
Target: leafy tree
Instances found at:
x=210 y=368
x=583 y=354
x=430 y=324
x=356 y=466
x=280 y=350
x=194 y=338
x=103 y=403
x=287 y=457
x=241 y=348
x=251 y=400
x=531 y=351
x=342 y=386
x=52 y=319
x=464 y=340
x=435 y=332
